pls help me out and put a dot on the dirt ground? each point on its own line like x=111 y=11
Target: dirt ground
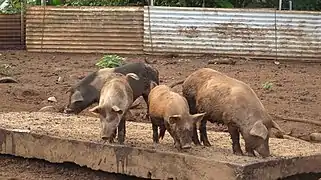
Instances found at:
x=295 y=90
x=17 y=168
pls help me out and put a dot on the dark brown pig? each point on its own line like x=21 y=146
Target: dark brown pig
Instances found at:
x=87 y=91
x=170 y=109
x=115 y=100
x=232 y=102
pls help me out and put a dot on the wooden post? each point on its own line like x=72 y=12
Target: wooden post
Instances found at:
x=22 y=23
x=280 y=5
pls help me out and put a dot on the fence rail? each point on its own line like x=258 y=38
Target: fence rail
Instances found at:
x=85 y=29
x=250 y=32
x=11 y=34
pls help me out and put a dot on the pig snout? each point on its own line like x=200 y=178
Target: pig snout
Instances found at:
x=263 y=153
x=185 y=140
x=107 y=131
x=70 y=109
x=67 y=110
x=263 y=150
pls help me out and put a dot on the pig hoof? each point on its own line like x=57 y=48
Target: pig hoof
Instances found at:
x=197 y=143
x=146 y=116
x=177 y=146
x=155 y=145
x=238 y=153
x=208 y=144
x=250 y=154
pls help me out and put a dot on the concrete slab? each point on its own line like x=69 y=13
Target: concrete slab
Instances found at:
x=59 y=138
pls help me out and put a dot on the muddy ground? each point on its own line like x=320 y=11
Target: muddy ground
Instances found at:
x=295 y=90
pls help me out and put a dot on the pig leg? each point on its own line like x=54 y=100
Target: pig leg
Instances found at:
x=111 y=140
x=195 y=136
x=121 y=131
x=155 y=133
x=203 y=133
x=235 y=136
x=155 y=125
x=145 y=96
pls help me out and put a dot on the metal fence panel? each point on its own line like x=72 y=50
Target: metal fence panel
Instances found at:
x=248 y=32
x=10 y=31
x=85 y=29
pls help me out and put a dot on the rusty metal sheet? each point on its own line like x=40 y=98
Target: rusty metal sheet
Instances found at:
x=85 y=29
x=10 y=31
x=249 y=32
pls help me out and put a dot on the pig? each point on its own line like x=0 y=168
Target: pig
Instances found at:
x=87 y=91
x=232 y=102
x=115 y=100
x=170 y=110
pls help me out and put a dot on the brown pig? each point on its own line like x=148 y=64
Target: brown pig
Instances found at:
x=170 y=109
x=232 y=102
x=116 y=98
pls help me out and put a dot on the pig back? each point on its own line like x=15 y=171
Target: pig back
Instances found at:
x=164 y=102
x=117 y=91
x=226 y=99
x=196 y=80
x=145 y=73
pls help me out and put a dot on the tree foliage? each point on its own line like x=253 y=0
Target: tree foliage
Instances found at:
x=311 y=5
x=13 y=7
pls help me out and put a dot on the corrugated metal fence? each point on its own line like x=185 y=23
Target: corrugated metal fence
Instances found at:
x=85 y=29
x=11 y=35
x=248 y=32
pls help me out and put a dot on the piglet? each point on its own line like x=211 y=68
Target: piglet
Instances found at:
x=168 y=109
x=116 y=98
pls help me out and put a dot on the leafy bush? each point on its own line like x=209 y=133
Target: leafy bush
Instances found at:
x=267 y=85
x=13 y=7
x=96 y=2
x=5 y=69
x=110 y=61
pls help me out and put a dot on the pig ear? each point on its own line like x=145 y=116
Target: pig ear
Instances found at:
x=173 y=119
x=259 y=130
x=198 y=117
x=117 y=109
x=97 y=110
x=132 y=75
x=152 y=84
x=76 y=97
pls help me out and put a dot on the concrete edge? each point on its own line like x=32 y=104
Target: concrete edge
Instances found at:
x=131 y=161
x=147 y=163
x=283 y=167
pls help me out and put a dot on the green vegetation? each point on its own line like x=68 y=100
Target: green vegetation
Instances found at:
x=311 y=5
x=267 y=85
x=96 y=2
x=5 y=70
x=110 y=61
x=13 y=7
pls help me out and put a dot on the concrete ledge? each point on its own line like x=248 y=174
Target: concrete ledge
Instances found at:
x=50 y=141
